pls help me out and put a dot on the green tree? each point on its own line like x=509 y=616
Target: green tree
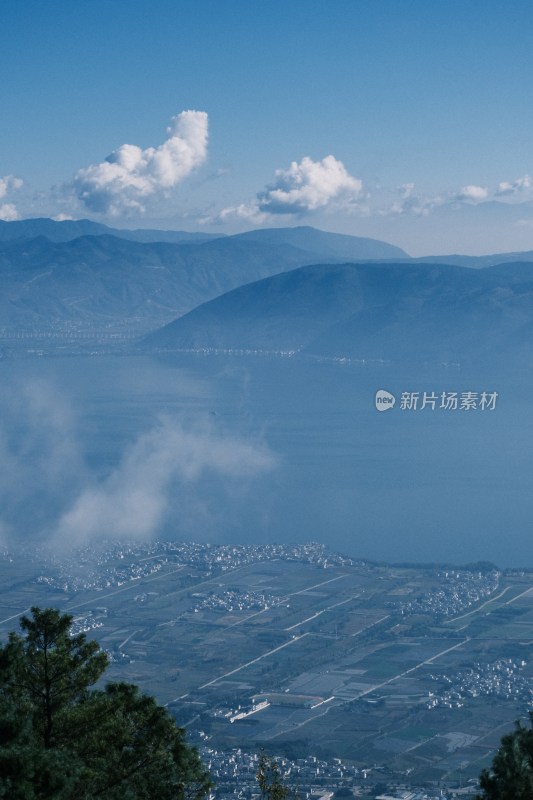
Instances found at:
x=510 y=776
x=269 y=779
x=60 y=738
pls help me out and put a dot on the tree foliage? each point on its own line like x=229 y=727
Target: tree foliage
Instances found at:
x=510 y=776
x=61 y=738
x=269 y=779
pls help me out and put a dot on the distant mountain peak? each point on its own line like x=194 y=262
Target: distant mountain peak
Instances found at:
x=332 y=245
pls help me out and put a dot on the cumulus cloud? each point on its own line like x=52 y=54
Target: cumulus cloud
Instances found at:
x=8 y=211
x=305 y=187
x=514 y=187
x=9 y=183
x=131 y=175
x=308 y=186
x=409 y=201
x=472 y=193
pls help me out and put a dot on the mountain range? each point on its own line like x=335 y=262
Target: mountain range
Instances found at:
x=66 y=230
x=292 y=289
x=105 y=280
x=391 y=312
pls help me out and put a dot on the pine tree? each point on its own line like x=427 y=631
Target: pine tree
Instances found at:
x=510 y=776
x=61 y=738
x=269 y=779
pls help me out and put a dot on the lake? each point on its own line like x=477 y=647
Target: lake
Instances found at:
x=249 y=448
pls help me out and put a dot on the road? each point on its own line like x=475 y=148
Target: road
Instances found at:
x=242 y=666
x=370 y=690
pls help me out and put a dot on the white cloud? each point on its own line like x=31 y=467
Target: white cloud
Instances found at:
x=192 y=474
x=471 y=193
x=136 y=497
x=249 y=214
x=8 y=212
x=303 y=188
x=130 y=174
x=41 y=463
x=308 y=186
x=410 y=202
x=63 y=217
x=514 y=187
x=9 y=183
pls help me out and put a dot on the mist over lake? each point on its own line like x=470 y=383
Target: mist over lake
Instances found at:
x=255 y=449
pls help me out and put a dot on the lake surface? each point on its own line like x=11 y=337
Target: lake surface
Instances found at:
x=249 y=449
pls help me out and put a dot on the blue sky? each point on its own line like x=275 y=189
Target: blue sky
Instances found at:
x=406 y=121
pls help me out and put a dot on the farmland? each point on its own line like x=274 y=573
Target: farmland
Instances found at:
x=416 y=671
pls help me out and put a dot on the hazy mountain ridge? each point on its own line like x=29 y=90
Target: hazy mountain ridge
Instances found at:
x=107 y=280
x=303 y=237
x=478 y=262
x=66 y=230
x=381 y=309
x=399 y=312
x=332 y=245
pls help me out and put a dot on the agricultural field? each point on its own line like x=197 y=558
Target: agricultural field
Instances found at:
x=416 y=671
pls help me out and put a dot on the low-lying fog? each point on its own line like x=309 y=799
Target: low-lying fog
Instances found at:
x=247 y=449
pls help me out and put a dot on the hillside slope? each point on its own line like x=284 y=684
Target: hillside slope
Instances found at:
x=395 y=312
